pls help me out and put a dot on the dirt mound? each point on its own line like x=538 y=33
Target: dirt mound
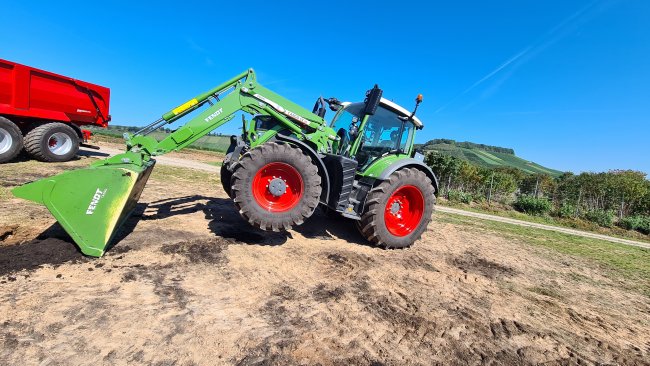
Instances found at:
x=37 y=253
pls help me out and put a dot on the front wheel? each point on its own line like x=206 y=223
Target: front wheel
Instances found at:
x=398 y=210
x=275 y=186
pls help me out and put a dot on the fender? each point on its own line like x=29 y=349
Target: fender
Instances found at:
x=76 y=129
x=410 y=163
x=322 y=170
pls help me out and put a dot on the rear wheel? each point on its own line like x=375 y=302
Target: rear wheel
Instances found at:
x=11 y=140
x=52 y=142
x=398 y=210
x=275 y=186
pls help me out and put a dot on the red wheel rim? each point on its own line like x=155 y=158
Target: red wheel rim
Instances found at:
x=284 y=175
x=404 y=210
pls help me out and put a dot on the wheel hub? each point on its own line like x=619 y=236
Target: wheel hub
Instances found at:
x=59 y=143
x=395 y=208
x=404 y=210
x=5 y=140
x=277 y=187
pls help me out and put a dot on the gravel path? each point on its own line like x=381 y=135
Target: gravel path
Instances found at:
x=164 y=160
x=542 y=226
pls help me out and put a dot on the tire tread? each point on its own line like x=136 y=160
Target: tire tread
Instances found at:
x=372 y=218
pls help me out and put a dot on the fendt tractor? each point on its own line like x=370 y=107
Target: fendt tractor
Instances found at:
x=287 y=161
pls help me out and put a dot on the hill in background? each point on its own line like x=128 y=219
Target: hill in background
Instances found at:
x=486 y=156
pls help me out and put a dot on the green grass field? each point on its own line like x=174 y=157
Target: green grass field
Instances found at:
x=569 y=223
x=211 y=143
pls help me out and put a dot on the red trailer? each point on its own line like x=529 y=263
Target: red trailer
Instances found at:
x=43 y=112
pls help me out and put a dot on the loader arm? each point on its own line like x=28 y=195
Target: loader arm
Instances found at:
x=242 y=93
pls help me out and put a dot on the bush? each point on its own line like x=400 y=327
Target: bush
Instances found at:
x=458 y=196
x=478 y=198
x=603 y=218
x=566 y=211
x=531 y=205
x=639 y=223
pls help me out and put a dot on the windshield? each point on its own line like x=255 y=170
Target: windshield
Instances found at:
x=380 y=135
x=345 y=117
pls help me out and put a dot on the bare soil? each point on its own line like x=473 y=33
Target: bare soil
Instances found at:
x=190 y=283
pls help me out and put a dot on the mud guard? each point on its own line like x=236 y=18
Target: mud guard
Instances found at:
x=410 y=163
x=322 y=170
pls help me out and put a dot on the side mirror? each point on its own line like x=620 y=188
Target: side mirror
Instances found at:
x=373 y=97
x=319 y=107
x=334 y=104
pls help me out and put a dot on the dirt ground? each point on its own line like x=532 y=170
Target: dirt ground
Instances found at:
x=190 y=283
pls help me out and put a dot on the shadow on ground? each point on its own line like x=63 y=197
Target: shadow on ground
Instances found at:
x=54 y=246
x=225 y=221
x=93 y=153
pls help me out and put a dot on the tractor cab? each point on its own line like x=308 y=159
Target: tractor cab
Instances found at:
x=390 y=130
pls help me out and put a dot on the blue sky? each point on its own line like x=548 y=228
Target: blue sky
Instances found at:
x=564 y=83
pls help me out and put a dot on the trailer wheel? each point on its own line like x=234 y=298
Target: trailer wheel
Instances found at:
x=275 y=186
x=398 y=210
x=11 y=140
x=52 y=142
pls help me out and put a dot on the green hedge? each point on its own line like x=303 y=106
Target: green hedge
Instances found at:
x=603 y=218
x=532 y=206
x=639 y=223
x=565 y=211
x=458 y=196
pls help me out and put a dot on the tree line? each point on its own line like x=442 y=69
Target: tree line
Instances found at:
x=616 y=197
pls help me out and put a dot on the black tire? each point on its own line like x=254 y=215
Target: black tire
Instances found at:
x=225 y=178
x=254 y=161
x=11 y=140
x=373 y=221
x=37 y=142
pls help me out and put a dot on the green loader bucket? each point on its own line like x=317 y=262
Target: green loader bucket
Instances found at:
x=92 y=203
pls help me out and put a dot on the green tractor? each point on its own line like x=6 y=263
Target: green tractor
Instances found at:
x=286 y=162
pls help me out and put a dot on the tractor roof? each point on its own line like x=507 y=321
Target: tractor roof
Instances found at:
x=398 y=108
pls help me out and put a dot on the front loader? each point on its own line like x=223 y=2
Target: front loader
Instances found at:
x=286 y=162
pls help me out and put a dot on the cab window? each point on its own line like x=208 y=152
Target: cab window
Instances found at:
x=381 y=135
